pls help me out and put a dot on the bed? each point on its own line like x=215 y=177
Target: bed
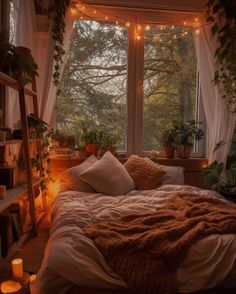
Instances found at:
x=72 y=258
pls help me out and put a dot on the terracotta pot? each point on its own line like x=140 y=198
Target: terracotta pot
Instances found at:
x=184 y=151
x=169 y=152
x=92 y=149
x=112 y=149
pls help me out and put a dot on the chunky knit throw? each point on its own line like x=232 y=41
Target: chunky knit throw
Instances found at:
x=146 y=249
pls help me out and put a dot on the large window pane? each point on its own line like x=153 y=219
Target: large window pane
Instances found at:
x=169 y=81
x=93 y=91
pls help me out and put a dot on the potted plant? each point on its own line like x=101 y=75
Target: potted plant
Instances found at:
x=22 y=65
x=185 y=134
x=109 y=142
x=222 y=176
x=168 y=141
x=92 y=141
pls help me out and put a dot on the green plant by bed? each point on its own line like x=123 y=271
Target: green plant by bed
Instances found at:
x=220 y=175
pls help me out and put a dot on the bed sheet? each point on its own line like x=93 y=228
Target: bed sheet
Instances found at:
x=72 y=258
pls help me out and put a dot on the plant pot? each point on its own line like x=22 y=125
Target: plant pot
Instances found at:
x=184 y=151
x=228 y=194
x=169 y=152
x=112 y=149
x=92 y=149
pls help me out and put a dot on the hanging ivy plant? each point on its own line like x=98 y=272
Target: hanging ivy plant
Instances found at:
x=222 y=16
x=57 y=11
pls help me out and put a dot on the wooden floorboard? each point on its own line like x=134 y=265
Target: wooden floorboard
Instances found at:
x=33 y=250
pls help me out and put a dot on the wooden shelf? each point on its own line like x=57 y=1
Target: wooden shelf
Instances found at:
x=13 y=194
x=12 y=83
x=9 y=142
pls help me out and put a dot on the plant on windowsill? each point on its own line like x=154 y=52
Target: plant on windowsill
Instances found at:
x=92 y=141
x=185 y=134
x=108 y=142
x=168 y=142
x=221 y=176
x=222 y=16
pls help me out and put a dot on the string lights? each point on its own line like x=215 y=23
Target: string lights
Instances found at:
x=86 y=11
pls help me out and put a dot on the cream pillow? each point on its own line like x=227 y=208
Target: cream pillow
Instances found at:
x=108 y=176
x=146 y=176
x=174 y=174
x=71 y=177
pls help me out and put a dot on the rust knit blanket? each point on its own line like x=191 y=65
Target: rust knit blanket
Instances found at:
x=146 y=249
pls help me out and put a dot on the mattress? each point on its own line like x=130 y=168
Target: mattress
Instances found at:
x=73 y=259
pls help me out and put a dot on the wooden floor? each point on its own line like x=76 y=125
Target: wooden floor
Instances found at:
x=33 y=250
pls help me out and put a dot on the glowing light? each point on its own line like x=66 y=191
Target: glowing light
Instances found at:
x=73 y=11
x=138 y=37
x=197 y=32
x=32 y=278
x=10 y=287
x=185 y=23
x=196 y=19
x=81 y=17
x=95 y=11
x=139 y=27
x=185 y=33
x=117 y=22
x=127 y=24
x=147 y=28
x=17 y=268
x=172 y=27
x=83 y=7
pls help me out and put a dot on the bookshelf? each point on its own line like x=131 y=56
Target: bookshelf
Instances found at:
x=13 y=194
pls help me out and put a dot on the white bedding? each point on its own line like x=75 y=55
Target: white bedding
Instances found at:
x=72 y=258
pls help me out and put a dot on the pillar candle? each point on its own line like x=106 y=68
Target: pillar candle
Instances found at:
x=17 y=268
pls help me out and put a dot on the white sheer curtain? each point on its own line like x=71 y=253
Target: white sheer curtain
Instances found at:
x=220 y=123
x=25 y=32
x=44 y=56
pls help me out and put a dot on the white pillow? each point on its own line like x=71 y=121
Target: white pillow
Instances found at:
x=108 y=176
x=71 y=177
x=174 y=174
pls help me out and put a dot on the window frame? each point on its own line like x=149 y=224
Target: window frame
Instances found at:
x=135 y=70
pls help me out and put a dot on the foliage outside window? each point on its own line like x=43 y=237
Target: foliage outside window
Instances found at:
x=94 y=86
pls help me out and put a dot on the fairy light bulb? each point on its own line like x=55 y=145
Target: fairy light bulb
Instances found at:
x=185 y=33
x=106 y=17
x=172 y=27
x=139 y=27
x=127 y=24
x=83 y=7
x=138 y=37
x=95 y=11
x=81 y=17
x=197 y=31
x=184 y=23
x=196 y=19
x=117 y=22
x=73 y=11
x=147 y=28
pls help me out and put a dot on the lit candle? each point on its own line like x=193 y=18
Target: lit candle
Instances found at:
x=2 y=191
x=17 y=268
x=10 y=287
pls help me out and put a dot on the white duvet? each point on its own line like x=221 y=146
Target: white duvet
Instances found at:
x=72 y=258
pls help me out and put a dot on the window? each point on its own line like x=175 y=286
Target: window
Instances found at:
x=93 y=91
x=130 y=81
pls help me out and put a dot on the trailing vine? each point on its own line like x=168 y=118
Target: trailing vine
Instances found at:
x=222 y=16
x=57 y=11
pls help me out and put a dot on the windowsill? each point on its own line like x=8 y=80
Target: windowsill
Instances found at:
x=190 y=164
